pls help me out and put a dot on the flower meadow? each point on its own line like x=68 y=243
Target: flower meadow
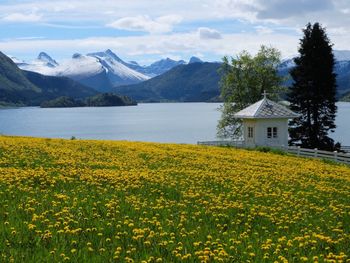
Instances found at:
x=104 y=201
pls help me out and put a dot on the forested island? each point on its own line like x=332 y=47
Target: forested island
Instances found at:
x=99 y=100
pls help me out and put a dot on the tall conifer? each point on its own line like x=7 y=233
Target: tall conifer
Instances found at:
x=313 y=93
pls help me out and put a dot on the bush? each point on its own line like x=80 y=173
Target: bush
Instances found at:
x=267 y=149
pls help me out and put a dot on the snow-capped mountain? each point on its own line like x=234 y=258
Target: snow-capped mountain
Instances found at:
x=116 y=68
x=101 y=70
x=79 y=66
x=163 y=65
x=17 y=61
x=45 y=58
x=43 y=64
x=157 y=68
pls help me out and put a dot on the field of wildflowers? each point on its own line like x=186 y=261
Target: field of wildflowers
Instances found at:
x=102 y=201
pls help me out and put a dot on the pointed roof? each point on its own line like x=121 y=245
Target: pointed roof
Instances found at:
x=265 y=109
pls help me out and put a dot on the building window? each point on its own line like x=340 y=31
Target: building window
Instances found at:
x=272 y=132
x=250 y=132
x=269 y=132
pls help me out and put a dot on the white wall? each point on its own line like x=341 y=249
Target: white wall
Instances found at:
x=260 y=132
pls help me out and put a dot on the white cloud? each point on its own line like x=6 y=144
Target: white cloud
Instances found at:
x=161 y=24
x=208 y=33
x=263 y=30
x=21 y=18
x=274 y=22
x=284 y=9
x=180 y=44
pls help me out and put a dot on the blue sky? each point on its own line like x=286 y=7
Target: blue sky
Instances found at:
x=146 y=31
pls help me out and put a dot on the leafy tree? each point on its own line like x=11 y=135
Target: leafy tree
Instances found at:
x=244 y=79
x=313 y=93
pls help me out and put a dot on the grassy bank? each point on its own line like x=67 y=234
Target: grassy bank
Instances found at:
x=100 y=201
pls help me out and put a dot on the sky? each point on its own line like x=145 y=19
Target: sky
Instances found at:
x=148 y=30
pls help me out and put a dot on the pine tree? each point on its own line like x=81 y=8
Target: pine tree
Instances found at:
x=313 y=94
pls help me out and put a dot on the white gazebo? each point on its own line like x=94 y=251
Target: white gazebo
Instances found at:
x=265 y=123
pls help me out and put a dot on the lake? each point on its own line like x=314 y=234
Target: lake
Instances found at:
x=152 y=122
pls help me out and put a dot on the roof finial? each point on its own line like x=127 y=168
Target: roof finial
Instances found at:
x=264 y=94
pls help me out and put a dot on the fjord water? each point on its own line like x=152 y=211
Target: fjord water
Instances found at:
x=153 y=122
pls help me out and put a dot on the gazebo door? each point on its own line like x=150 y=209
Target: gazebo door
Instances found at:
x=250 y=138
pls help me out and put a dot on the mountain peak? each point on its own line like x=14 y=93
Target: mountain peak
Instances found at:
x=77 y=55
x=107 y=53
x=47 y=59
x=195 y=60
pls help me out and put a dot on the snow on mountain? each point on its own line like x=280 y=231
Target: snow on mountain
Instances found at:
x=87 y=66
x=43 y=64
x=100 y=70
x=341 y=59
x=17 y=60
x=45 y=58
x=79 y=66
x=117 y=68
x=162 y=66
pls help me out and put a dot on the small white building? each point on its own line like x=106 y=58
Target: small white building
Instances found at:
x=265 y=123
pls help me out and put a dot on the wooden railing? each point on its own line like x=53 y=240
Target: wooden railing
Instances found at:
x=310 y=153
x=345 y=149
x=315 y=153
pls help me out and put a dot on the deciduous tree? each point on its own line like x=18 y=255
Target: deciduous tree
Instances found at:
x=244 y=79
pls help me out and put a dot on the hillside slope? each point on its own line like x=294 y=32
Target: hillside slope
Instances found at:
x=28 y=88
x=14 y=86
x=103 y=201
x=53 y=87
x=192 y=82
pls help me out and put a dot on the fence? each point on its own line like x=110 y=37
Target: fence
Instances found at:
x=315 y=153
x=345 y=149
x=311 y=153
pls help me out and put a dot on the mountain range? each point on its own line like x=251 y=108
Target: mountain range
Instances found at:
x=101 y=71
x=192 y=82
x=200 y=81
x=18 y=87
x=341 y=68
x=164 y=80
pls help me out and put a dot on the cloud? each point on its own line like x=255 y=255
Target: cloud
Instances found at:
x=263 y=30
x=283 y=9
x=161 y=24
x=21 y=18
x=239 y=24
x=208 y=33
x=135 y=47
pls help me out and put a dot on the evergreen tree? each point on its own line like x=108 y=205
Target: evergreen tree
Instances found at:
x=313 y=94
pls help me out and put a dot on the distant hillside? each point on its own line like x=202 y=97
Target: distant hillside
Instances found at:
x=53 y=87
x=15 y=88
x=99 y=100
x=341 y=69
x=18 y=87
x=192 y=82
x=345 y=97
